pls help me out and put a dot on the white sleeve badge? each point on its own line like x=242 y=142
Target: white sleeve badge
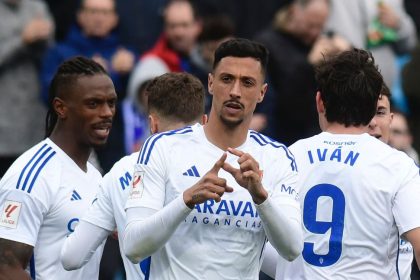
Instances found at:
x=137 y=183
x=10 y=214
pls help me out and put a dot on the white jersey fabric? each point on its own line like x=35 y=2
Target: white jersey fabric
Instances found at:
x=42 y=197
x=222 y=240
x=358 y=196
x=108 y=210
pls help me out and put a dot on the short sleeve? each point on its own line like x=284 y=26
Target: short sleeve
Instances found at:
x=23 y=212
x=284 y=179
x=148 y=184
x=407 y=201
x=101 y=212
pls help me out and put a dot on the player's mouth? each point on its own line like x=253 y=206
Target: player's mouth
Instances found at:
x=102 y=129
x=233 y=106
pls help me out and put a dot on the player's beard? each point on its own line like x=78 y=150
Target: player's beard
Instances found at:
x=231 y=123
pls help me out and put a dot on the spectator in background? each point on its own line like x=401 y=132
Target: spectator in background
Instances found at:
x=216 y=30
x=411 y=87
x=296 y=44
x=400 y=136
x=25 y=29
x=181 y=29
x=134 y=107
x=93 y=37
x=383 y=26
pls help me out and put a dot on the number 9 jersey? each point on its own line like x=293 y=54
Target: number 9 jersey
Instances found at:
x=358 y=195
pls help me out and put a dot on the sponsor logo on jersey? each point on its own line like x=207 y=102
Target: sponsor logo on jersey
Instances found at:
x=75 y=196
x=192 y=172
x=10 y=214
x=137 y=185
x=71 y=225
x=230 y=213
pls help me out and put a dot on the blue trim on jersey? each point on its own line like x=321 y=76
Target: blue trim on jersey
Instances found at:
x=398 y=256
x=263 y=246
x=145 y=267
x=145 y=160
x=39 y=170
x=32 y=267
x=275 y=144
x=29 y=162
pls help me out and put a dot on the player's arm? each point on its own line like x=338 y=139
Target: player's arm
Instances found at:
x=148 y=229
x=14 y=258
x=413 y=236
x=82 y=244
x=94 y=227
x=281 y=219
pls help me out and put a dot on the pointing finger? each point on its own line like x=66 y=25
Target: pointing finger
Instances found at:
x=216 y=167
x=235 y=152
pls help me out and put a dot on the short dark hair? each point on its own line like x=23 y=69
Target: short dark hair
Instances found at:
x=386 y=92
x=240 y=47
x=350 y=84
x=64 y=79
x=176 y=96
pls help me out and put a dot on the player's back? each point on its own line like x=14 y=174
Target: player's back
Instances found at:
x=355 y=190
x=51 y=193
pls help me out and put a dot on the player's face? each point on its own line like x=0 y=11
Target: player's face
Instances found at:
x=380 y=125
x=91 y=108
x=237 y=85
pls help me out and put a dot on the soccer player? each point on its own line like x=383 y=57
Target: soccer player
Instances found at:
x=380 y=127
x=358 y=194
x=175 y=100
x=48 y=188
x=206 y=198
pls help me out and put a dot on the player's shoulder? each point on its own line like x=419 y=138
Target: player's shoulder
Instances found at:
x=265 y=144
x=270 y=149
x=38 y=162
x=125 y=163
x=167 y=140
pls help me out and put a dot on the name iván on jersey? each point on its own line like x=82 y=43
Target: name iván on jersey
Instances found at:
x=337 y=155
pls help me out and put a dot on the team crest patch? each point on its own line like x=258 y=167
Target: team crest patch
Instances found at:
x=137 y=185
x=10 y=214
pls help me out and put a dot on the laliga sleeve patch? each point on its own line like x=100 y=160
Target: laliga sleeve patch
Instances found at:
x=10 y=214
x=137 y=185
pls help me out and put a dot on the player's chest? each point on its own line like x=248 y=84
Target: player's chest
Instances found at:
x=71 y=202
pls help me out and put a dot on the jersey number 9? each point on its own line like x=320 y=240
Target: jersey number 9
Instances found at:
x=335 y=225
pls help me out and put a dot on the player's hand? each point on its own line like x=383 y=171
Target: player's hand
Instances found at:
x=122 y=61
x=210 y=186
x=248 y=175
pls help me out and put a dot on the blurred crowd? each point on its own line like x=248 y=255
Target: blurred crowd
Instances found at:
x=138 y=40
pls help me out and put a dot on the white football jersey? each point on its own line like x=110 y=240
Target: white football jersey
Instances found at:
x=42 y=197
x=222 y=240
x=358 y=196
x=108 y=210
x=405 y=259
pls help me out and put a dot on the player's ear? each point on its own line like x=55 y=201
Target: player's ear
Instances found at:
x=262 y=92
x=204 y=119
x=153 y=124
x=60 y=108
x=210 y=83
x=319 y=103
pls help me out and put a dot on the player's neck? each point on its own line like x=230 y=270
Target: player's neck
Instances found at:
x=336 y=128
x=78 y=153
x=224 y=136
